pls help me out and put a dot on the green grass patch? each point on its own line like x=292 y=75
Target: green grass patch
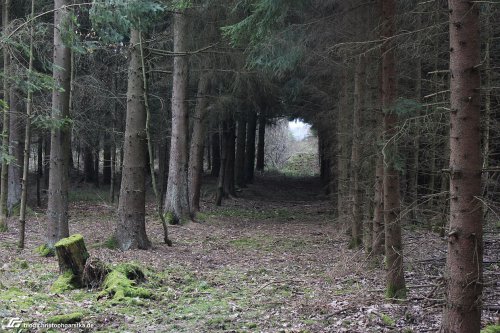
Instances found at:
x=88 y=195
x=491 y=329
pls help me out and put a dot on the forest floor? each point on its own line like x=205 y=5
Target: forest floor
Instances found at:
x=272 y=260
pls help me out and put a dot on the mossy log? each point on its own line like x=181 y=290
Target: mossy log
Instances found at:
x=72 y=256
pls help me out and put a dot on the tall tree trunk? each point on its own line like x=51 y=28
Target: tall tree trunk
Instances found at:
x=465 y=240
x=197 y=144
x=216 y=154
x=96 y=163
x=229 y=186
x=342 y=149
x=359 y=96
x=415 y=149
x=88 y=164
x=222 y=168
x=239 y=164
x=57 y=209
x=176 y=199
x=250 y=147
x=27 y=142
x=5 y=129
x=106 y=159
x=46 y=159
x=378 y=213
x=39 y=171
x=16 y=146
x=393 y=243
x=130 y=230
x=261 y=143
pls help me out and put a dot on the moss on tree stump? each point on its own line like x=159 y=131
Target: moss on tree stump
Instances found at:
x=72 y=256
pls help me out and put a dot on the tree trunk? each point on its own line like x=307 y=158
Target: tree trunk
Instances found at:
x=39 y=171
x=359 y=96
x=57 y=210
x=5 y=129
x=16 y=147
x=96 y=163
x=27 y=142
x=229 y=186
x=222 y=168
x=131 y=229
x=342 y=149
x=106 y=160
x=197 y=144
x=465 y=240
x=215 y=154
x=239 y=164
x=250 y=147
x=88 y=164
x=378 y=213
x=415 y=149
x=46 y=159
x=261 y=143
x=393 y=243
x=176 y=199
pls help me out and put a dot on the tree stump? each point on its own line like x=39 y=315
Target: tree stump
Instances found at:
x=72 y=256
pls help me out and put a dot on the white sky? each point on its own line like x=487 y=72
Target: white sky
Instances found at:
x=299 y=129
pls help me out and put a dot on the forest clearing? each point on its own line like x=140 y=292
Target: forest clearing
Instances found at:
x=250 y=166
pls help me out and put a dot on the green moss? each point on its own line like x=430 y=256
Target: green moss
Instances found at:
x=170 y=218
x=121 y=283
x=491 y=329
x=3 y=227
x=388 y=321
x=23 y=264
x=45 y=251
x=69 y=318
x=69 y=240
x=66 y=281
x=111 y=243
x=393 y=292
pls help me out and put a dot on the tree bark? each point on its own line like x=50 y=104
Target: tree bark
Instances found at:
x=222 y=168
x=239 y=164
x=250 y=147
x=229 y=185
x=197 y=144
x=261 y=143
x=5 y=129
x=378 y=214
x=393 y=243
x=130 y=230
x=57 y=210
x=27 y=142
x=464 y=260
x=356 y=191
x=176 y=199
x=16 y=146
x=88 y=164
x=342 y=151
x=106 y=157
x=215 y=142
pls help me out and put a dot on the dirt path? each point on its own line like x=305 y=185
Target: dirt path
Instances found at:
x=272 y=260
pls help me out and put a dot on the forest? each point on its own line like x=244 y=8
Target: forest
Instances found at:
x=151 y=179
